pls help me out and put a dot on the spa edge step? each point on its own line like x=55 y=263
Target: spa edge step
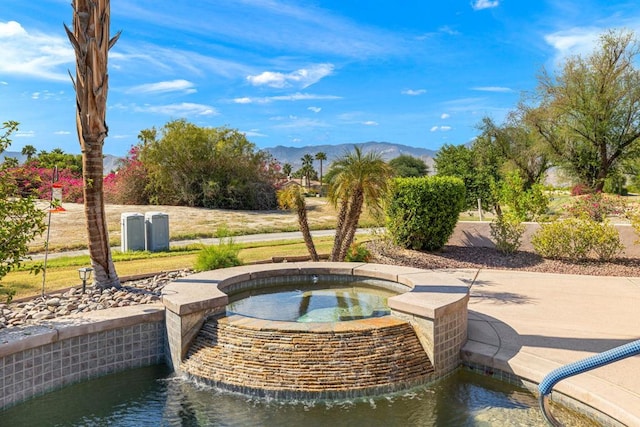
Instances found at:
x=382 y=353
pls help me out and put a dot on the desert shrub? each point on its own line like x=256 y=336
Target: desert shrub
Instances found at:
x=576 y=239
x=128 y=186
x=596 y=206
x=580 y=189
x=507 y=231
x=222 y=255
x=524 y=204
x=422 y=212
x=358 y=253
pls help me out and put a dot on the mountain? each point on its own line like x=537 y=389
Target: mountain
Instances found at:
x=388 y=150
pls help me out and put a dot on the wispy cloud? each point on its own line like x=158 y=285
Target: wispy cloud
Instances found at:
x=293 y=97
x=34 y=54
x=183 y=109
x=24 y=134
x=444 y=116
x=301 y=123
x=485 y=4
x=180 y=85
x=492 y=89
x=255 y=133
x=302 y=78
x=314 y=109
x=414 y=92
x=575 y=41
x=370 y=123
x=440 y=128
x=62 y=132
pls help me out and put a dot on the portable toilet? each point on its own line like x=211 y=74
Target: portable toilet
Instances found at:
x=133 y=232
x=157 y=231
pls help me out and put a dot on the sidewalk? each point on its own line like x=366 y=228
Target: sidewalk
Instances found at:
x=528 y=324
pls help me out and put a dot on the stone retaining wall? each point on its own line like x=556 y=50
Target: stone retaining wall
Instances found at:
x=38 y=359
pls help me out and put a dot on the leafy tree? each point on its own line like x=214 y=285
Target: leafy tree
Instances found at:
x=29 y=151
x=321 y=157
x=293 y=199
x=10 y=162
x=479 y=176
x=589 y=114
x=406 y=166
x=355 y=179
x=91 y=43
x=207 y=167
x=58 y=158
x=20 y=219
x=286 y=169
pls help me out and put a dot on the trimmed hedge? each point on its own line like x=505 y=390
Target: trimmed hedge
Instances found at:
x=423 y=212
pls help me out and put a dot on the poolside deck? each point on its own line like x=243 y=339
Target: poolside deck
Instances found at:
x=528 y=324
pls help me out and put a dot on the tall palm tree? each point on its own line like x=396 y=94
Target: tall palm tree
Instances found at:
x=292 y=198
x=355 y=179
x=307 y=168
x=29 y=151
x=91 y=43
x=321 y=156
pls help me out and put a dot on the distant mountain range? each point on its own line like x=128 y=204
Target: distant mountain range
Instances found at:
x=293 y=155
x=388 y=151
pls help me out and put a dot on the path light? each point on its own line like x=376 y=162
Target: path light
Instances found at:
x=85 y=274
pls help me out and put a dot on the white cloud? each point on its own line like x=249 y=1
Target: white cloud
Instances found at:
x=444 y=116
x=370 y=123
x=183 y=109
x=293 y=97
x=62 y=132
x=575 y=41
x=485 y=4
x=413 y=92
x=314 y=109
x=179 y=85
x=493 y=89
x=25 y=134
x=440 y=128
x=303 y=123
x=34 y=54
x=302 y=78
x=253 y=133
x=35 y=95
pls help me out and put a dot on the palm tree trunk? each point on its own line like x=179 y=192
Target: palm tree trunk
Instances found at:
x=91 y=43
x=351 y=224
x=339 y=237
x=306 y=233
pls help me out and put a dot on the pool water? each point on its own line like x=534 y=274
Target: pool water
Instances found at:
x=312 y=302
x=153 y=396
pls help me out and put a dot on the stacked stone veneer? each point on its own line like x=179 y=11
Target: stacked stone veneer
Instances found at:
x=38 y=359
x=433 y=309
x=300 y=360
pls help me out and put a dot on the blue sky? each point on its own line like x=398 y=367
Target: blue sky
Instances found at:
x=297 y=73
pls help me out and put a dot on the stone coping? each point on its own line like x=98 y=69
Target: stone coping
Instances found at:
x=16 y=339
x=430 y=293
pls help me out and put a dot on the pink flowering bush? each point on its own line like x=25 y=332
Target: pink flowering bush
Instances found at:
x=596 y=206
x=128 y=185
x=31 y=180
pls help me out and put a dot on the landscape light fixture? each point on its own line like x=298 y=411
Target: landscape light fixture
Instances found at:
x=85 y=274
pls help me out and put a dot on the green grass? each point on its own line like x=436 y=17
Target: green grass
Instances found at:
x=63 y=272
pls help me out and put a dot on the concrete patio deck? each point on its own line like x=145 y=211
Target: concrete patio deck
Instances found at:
x=528 y=324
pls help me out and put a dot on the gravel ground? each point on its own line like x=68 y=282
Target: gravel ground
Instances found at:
x=489 y=258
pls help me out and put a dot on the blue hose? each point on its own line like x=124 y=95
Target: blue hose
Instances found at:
x=584 y=365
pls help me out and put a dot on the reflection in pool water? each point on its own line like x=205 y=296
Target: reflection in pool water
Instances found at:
x=312 y=302
x=154 y=397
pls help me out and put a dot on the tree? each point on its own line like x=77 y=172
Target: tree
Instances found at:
x=355 y=179
x=307 y=170
x=406 y=166
x=91 y=44
x=286 y=169
x=321 y=157
x=58 y=158
x=20 y=218
x=589 y=114
x=293 y=199
x=207 y=167
x=29 y=151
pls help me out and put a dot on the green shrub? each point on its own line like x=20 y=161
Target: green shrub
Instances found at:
x=357 y=253
x=222 y=255
x=507 y=231
x=577 y=239
x=422 y=212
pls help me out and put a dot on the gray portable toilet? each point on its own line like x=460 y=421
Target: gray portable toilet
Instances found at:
x=157 y=231
x=133 y=233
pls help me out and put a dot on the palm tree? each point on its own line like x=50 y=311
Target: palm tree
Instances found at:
x=321 y=156
x=29 y=151
x=286 y=170
x=307 y=168
x=292 y=198
x=355 y=179
x=91 y=43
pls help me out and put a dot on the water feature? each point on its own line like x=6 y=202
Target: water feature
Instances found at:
x=314 y=299
x=154 y=396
